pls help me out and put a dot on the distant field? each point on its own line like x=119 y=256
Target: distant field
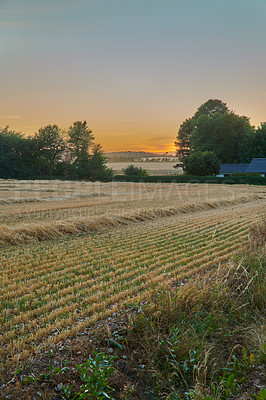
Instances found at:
x=74 y=253
x=163 y=167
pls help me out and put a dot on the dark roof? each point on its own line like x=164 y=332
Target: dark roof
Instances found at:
x=231 y=168
x=257 y=165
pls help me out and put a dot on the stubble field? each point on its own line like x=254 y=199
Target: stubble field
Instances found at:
x=152 y=167
x=75 y=253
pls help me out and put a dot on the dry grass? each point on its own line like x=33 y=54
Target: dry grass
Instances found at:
x=212 y=326
x=54 y=290
x=40 y=201
x=136 y=239
x=188 y=335
x=45 y=231
x=107 y=205
x=257 y=235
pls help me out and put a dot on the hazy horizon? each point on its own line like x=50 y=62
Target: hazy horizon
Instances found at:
x=133 y=70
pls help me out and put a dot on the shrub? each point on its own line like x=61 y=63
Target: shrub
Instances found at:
x=131 y=170
x=201 y=163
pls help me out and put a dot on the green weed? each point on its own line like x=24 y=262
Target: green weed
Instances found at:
x=95 y=373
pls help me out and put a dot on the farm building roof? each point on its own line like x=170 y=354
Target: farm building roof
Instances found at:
x=257 y=165
x=231 y=168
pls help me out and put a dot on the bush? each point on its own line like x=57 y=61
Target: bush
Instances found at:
x=131 y=170
x=201 y=163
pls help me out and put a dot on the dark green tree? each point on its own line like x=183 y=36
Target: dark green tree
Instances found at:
x=15 y=154
x=215 y=133
x=208 y=109
x=214 y=128
x=49 y=147
x=48 y=153
x=257 y=143
x=97 y=168
x=201 y=163
x=211 y=107
x=80 y=142
x=243 y=132
x=182 y=142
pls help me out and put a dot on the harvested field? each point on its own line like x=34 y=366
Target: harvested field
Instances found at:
x=28 y=201
x=152 y=167
x=67 y=263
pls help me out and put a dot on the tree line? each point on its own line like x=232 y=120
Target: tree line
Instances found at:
x=53 y=152
x=214 y=135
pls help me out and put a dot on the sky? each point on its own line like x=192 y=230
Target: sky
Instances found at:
x=134 y=70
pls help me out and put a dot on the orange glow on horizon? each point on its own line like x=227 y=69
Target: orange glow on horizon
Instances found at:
x=114 y=136
x=158 y=149
x=151 y=149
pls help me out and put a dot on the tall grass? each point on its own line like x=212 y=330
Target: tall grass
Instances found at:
x=205 y=339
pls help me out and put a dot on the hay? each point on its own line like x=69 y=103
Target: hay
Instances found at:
x=27 y=233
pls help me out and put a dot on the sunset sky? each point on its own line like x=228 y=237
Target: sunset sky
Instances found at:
x=134 y=70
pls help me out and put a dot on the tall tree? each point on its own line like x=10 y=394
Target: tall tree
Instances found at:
x=215 y=134
x=257 y=144
x=80 y=142
x=214 y=128
x=49 y=147
x=98 y=169
x=208 y=109
x=15 y=155
x=211 y=107
x=182 y=142
x=48 y=152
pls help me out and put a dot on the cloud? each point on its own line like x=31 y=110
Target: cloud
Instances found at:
x=136 y=147
x=160 y=138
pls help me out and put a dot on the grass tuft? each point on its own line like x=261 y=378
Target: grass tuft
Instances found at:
x=257 y=235
x=206 y=339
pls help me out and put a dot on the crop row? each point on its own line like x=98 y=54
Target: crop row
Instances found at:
x=54 y=290
x=94 y=260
